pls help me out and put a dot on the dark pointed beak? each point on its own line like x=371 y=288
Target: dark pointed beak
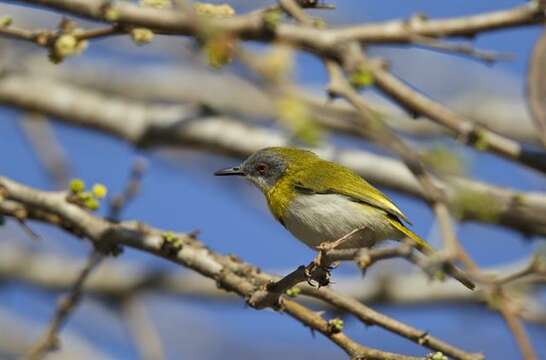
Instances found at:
x=234 y=171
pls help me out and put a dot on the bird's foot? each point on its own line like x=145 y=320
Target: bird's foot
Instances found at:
x=317 y=274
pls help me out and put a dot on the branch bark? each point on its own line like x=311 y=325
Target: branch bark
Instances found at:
x=536 y=86
x=461 y=128
x=230 y=273
x=252 y=27
x=123 y=279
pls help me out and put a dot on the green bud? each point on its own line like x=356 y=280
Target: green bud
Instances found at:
x=142 y=36
x=336 y=325
x=293 y=292
x=76 y=186
x=99 y=191
x=219 y=50
x=439 y=275
x=477 y=205
x=362 y=77
x=169 y=236
x=92 y=204
x=272 y=18
x=5 y=21
x=295 y=116
x=319 y=23
x=84 y=196
x=65 y=45
x=444 y=160
x=437 y=356
x=171 y=243
x=158 y=4
x=213 y=10
x=481 y=142
x=111 y=14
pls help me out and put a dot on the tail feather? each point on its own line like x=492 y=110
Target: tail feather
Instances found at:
x=418 y=242
x=426 y=249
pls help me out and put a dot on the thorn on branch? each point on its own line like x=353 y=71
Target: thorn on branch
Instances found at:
x=315 y=4
x=464 y=49
x=132 y=188
x=33 y=235
x=335 y=326
x=171 y=244
x=194 y=234
x=423 y=338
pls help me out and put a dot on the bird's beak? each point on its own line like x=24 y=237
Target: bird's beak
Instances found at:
x=230 y=172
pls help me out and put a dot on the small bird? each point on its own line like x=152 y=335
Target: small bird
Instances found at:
x=321 y=202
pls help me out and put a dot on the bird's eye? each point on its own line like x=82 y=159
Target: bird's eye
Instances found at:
x=261 y=168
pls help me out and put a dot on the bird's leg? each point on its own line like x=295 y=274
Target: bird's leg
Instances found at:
x=319 y=269
x=331 y=245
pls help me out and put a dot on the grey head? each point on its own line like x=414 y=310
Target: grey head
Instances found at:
x=263 y=168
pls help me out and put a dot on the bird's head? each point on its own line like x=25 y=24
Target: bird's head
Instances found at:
x=266 y=167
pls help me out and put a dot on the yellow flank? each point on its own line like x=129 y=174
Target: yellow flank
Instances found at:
x=420 y=244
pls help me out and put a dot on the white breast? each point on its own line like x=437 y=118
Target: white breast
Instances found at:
x=318 y=218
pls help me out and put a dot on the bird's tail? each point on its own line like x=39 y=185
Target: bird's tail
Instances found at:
x=426 y=249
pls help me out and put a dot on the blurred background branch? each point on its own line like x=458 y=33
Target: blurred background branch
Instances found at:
x=256 y=98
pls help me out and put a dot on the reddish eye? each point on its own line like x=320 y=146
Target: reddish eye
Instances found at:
x=261 y=168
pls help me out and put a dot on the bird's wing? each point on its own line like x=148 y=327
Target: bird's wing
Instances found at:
x=331 y=178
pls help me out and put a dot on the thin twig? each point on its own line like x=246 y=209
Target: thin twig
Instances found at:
x=45 y=38
x=515 y=326
x=49 y=341
x=47 y=148
x=462 y=49
x=464 y=130
x=143 y=331
x=132 y=187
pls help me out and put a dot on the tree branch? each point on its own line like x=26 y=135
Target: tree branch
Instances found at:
x=326 y=43
x=231 y=274
x=251 y=26
x=188 y=126
x=462 y=129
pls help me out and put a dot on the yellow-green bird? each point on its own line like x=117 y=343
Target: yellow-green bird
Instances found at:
x=320 y=201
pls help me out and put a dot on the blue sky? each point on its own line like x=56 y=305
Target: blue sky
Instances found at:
x=180 y=193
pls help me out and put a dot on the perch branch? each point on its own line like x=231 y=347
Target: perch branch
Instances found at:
x=231 y=274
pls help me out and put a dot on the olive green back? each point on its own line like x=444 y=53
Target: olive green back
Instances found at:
x=326 y=177
x=307 y=173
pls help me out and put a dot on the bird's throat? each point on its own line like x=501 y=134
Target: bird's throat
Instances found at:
x=279 y=198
